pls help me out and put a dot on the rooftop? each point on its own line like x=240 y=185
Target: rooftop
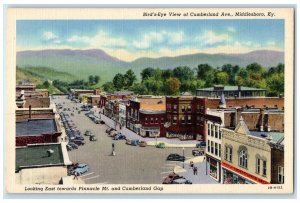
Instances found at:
x=229 y=88
x=34 y=156
x=153 y=103
x=276 y=137
x=35 y=127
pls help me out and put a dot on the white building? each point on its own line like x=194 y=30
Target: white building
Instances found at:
x=122 y=113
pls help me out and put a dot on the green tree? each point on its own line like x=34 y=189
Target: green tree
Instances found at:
x=183 y=73
x=166 y=74
x=46 y=84
x=119 y=81
x=108 y=87
x=129 y=78
x=138 y=88
x=221 y=78
x=254 y=68
x=147 y=73
x=172 y=86
x=96 y=79
x=153 y=86
x=275 y=84
x=91 y=79
x=206 y=73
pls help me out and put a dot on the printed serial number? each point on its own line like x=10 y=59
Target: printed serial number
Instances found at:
x=275 y=187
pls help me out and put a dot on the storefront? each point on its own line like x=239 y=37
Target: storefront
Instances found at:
x=214 y=168
x=233 y=178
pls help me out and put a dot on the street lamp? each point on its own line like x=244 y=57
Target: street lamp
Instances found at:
x=183 y=157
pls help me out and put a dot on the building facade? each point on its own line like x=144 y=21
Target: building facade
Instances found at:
x=185 y=118
x=230 y=91
x=247 y=156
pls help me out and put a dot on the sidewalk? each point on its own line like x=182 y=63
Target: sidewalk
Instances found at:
x=150 y=141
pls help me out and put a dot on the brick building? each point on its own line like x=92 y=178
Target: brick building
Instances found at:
x=185 y=117
x=93 y=100
x=28 y=96
x=144 y=115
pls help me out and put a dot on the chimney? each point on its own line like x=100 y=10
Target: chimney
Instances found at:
x=29 y=112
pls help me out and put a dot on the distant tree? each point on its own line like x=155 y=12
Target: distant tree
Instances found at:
x=46 y=84
x=172 y=86
x=166 y=74
x=232 y=72
x=108 y=87
x=96 y=79
x=202 y=71
x=153 y=86
x=129 y=78
x=147 y=73
x=91 y=79
x=221 y=78
x=275 y=84
x=254 y=68
x=119 y=81
x=138 y=88
x=183 y=73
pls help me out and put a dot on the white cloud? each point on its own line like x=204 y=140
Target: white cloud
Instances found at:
x=210 y=38
x=49 y=36
x=231 y=29
x=100 y=40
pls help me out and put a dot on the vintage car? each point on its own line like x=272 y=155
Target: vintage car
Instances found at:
x=175 y=157
x=160 y=145
x=196 y=152
x=80 y=169
x=201 y=144
x=171 y=177
x=143 y=144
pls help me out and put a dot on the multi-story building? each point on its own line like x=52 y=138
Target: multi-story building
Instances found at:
x=77 y=92
x=142 y=114
x=185 y=117
x=247 y=156
x=122 y=112
x=231 y=91
x=93 y=100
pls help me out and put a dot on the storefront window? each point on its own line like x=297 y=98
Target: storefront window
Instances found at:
x=280 y=175
x=213 y=172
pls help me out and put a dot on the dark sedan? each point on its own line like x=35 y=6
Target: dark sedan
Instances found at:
x=175 y=157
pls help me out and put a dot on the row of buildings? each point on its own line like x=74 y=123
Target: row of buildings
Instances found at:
x=243 y=129
x=41 y=154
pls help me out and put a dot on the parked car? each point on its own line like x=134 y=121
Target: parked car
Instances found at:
x=108 y=130
x=170 y=178
x=120 y=136
x=102 y=122
x=88 y=133
x=128 y=141
x=69 y=147
x=196 y=152
x=175 y=157
x=78 y=142
x=143 y=144
x=93 y=138
x=201 y=144
x=97 y=121
x=73 y=145
x=80 y=169
x=181 y=181
x=135 y=142
x=160 y=145
x=113 y=133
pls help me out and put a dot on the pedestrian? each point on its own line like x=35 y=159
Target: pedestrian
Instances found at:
x=195 y=170
x=191 y=164
x=75 y=176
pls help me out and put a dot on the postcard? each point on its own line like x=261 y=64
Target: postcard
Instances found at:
x=149 y=100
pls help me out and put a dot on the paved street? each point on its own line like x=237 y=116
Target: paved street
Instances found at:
x=132 y=164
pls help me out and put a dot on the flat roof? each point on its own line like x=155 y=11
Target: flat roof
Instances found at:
x=277 y=137
x=34 y=156
x=229 y=88
x=34 y=127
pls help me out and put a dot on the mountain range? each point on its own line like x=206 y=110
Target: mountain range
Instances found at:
x=81 y=63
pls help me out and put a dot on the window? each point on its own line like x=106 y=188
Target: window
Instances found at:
x=208 y=127
x=151 y=120
x=146 y=120
x=212 y=147
x=175 y=107
x=189 y=108
x=208 y=145
x=216 y=131
x=175 y=119
x=216 y=149
x=182 y=120
x=243 y=159
x=183 y=108
x=264 y=168
x=162 y=120
x=189 y=119
x=198 y=120
x=280 y=175
x=156 y=120
x=168 y=107
x=228 y=153
x=219 y=150
x=198 y=107
x=258 y=165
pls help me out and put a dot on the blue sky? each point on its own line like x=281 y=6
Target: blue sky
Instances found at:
x=131 y=39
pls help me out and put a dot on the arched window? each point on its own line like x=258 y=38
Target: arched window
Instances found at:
x=243 y=158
